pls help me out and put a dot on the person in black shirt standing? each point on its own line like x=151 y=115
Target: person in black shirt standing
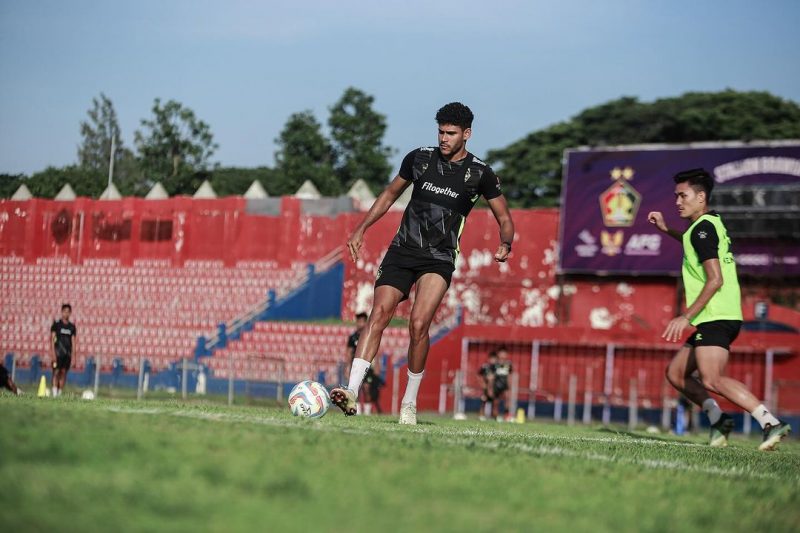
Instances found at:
x=502 y=371
x=448 y=181
x=487 y=375
x=64 y=341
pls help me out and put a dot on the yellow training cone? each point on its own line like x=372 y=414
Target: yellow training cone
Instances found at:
x=42 y=388
x=520 y=416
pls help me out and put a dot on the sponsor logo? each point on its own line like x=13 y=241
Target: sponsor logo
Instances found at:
x=467 y=175
x=427 y=149
x=612 y=242
x=588 y=246
x=702 y=234
x=643 y=244
x=698 y=336
x=447 y=191
x=620 y=202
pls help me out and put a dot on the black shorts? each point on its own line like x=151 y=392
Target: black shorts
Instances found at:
x=63 y=362
x=500 y=388
x=720 y=333
x=401 y=269
x=4 y=378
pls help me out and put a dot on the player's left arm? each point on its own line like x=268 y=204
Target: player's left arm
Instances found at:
x=501 y=213
x=706 y=243
x=75 y=344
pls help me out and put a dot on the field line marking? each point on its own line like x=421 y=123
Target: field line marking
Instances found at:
x=540 y=449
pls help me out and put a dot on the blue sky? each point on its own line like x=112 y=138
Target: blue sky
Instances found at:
x=244 y=67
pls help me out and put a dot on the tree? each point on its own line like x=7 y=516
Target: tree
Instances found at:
x=357 y=133
x=46 y=183
x=303 y=153
x=531 y=167
x=174 y=146
x=236 y=180
x=94 y=151
x=9 y=183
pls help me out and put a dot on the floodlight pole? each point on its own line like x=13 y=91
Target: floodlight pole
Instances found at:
x=111 y=158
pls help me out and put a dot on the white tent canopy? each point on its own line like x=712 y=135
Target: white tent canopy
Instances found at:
x=205 y=191
x=111 y=193
x=308 y=191
x=23 y=193
x=158 y=192
x=256 y=191
x=66 y=194
x=360 y=191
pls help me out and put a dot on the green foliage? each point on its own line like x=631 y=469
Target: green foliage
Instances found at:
x=47 y=183
x=357 y=132
x=94 y=151
x=236 y=180
x=303 y=153
x=9 y=183
x=531 y=167
x=174 y=146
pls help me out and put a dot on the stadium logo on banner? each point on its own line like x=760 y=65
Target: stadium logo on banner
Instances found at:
x=620 y=202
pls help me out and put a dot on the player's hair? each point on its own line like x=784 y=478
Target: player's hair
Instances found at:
x=698 y=179
x=455 y=113
x=492 y=354
x=66 y=306
x=502 y=349
x=361 y=315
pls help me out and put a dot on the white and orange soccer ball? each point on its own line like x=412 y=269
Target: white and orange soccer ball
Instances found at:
x=309 y=399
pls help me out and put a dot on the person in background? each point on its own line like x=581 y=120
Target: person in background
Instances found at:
x=371 y=388
x=64 y=341
x=6 y=382
x=502 y=372
x=487 y=375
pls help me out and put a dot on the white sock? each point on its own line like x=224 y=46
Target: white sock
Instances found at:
x=357 y=373
x=55 y=392
x=764 y=417
x=412 y=388
x=367 y=409
x=711 y=408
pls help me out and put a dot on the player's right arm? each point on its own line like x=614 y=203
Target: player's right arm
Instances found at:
x=657 y=219
x=382 y=204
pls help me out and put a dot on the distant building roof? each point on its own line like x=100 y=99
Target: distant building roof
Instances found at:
x=256 y=191
x=308 y=191
x=66 y=193
x=23 y=193
x=205 y=191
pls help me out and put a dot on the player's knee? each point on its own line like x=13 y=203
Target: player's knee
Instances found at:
x=379 y=318
x=711 y=382
x=674 y=376
x=417 y=328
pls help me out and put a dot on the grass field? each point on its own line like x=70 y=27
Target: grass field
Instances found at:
x=122 y=465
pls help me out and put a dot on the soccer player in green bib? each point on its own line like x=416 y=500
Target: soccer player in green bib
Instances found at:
x=714 y=309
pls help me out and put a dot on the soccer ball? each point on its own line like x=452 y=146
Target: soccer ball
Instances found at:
x=87 y=395
x=309 y=399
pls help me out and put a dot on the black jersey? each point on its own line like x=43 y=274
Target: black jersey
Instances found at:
x=64 y=334
x=443 y=196
x=352 y=340
x=487 y=370
x=502 y=370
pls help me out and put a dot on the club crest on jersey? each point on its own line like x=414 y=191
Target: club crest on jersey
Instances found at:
x=468 y=175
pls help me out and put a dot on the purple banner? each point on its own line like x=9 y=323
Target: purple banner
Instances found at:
x=607 y=194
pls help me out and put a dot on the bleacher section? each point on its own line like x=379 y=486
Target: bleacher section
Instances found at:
x=150 y=309
x=293 y=351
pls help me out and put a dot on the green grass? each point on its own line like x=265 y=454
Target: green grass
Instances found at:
x=161 y=465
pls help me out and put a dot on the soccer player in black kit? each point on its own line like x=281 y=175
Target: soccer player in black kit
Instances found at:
x=63 y=338
x=448 y=181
